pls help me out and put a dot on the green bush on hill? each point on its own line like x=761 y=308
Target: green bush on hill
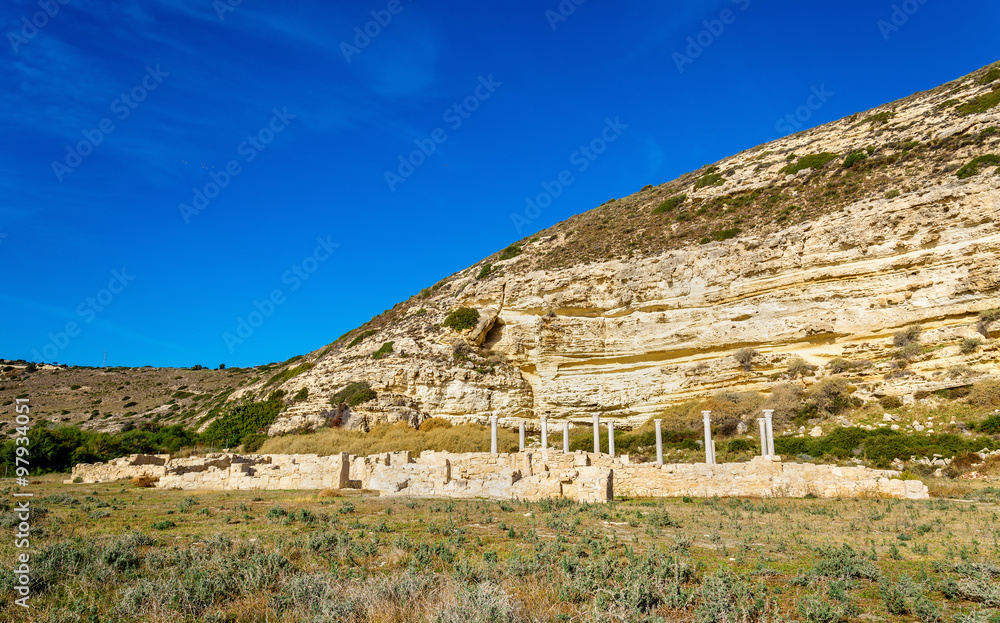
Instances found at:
x=243 y=419
x=811 y=161
x=462 y=318
x=710 y=178
x=510 y=252
x=670 y=204
x=980 y=104
x=973 y=167
x=353 y=394
x=289 y=373
x=383 y=351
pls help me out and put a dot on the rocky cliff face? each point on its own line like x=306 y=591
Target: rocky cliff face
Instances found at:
x=802 y=247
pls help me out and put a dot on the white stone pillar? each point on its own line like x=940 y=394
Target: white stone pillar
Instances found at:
x=520 y=431
x=709 y=446
x=493 y=434
x=770 y=431
x=659 y=442
x=566 y=437
x=597 y=434
x=763 y=437
x=545 y=432
x=611 y=438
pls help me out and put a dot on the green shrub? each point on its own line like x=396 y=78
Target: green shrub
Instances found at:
x=972 y=168
x=811 y=161
x=353 y=394
x=854 y=158
x=288 y=373
x=510 y=252
x=484 y=271
x=670 y=204
x=420 y=312
x=383 y=351
x=462 y=318
x=980 y=104
x=301 y=395
x=709 y=178
x=892 y=194
x=830 y=396
x=741 y=445
x=365 y=334
x=878 y=118
x=993 y=73
x=163 y=525
x=245 y=418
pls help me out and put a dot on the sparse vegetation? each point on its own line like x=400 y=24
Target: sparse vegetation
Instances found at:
x=484 y=272
x=811 y=161
x=353 y=394
x=361 y=336
x=710 y=178
x=986 y=319
x=510 y=252
x=980 y=104
x=969 y=345
x=973 y=167
x=383 y=351
x=289 y=373
x=670 y=204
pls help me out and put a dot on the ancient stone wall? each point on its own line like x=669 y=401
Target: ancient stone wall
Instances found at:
x=581 y=476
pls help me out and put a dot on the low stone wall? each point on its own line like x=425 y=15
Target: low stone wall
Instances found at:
x=533 y=475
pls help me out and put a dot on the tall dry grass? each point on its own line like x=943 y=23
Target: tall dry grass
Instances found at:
x=393 y=438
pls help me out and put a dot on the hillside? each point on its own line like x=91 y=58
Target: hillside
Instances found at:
x=791 y=262
x=816 y=246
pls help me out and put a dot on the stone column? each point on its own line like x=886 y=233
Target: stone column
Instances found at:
x=659 y=442
x=770 y=431
x=566 y=437
x=709 y=446
x=597 y=434
x=611 y=438
x=545 y=432
x=763 y=437
x=493 y=434
x=520 y=430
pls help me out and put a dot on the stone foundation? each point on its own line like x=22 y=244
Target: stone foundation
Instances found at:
x=533 y=475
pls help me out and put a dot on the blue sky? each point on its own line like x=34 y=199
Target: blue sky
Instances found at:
x=170 y=167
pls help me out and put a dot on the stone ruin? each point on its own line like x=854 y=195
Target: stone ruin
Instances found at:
x=527 y=475
x=524 y=475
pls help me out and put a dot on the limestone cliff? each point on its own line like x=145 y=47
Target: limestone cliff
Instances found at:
x=818 y=245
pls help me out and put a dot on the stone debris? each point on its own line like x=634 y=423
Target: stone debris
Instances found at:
x=529 y=475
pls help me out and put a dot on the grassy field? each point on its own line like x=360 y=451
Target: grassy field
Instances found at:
x=114 y=552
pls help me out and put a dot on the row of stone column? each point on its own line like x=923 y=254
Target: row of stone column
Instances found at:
x=764 y=423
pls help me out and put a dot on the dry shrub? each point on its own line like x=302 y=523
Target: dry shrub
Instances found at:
x=392 y=438
x=145 y=481
x=330 y=493
x=961 y=464
x=434 y=423
x=786 y=400
x=744 y=357
x=830 y=396
x=730 y=408
x=985 y=393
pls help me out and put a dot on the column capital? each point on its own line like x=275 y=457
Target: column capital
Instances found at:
x=768 y=412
